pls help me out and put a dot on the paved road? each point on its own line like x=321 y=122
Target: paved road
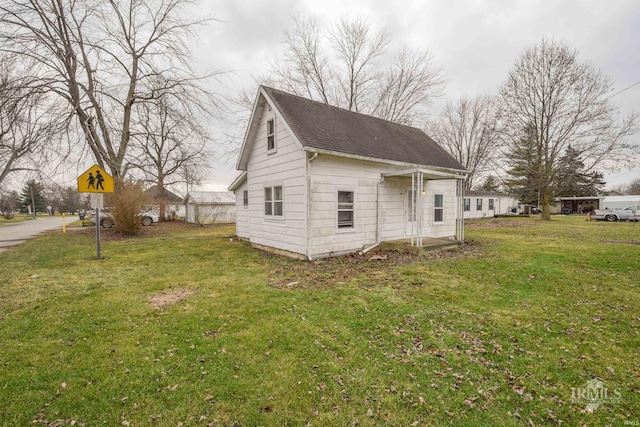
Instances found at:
x=14 y=234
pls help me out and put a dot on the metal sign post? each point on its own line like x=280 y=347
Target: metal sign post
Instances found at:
x=97 y=202
x=96 y=181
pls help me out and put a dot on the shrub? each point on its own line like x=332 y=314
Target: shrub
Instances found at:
x=126 y=202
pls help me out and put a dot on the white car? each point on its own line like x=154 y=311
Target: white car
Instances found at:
x=630 y=213
x=146 y=218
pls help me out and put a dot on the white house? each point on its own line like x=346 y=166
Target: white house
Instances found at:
x=210 y=207
x=322 y=181
x=485 y=204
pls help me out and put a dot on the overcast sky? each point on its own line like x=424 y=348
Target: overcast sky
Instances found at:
x=475 y=42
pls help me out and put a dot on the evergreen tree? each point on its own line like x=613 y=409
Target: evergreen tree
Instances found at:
x=572 y=179
x=490 y=184
x=526 y=169
x=32 y=196
x=71 y=201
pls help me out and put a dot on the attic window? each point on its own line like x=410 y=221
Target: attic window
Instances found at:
x=271 y=135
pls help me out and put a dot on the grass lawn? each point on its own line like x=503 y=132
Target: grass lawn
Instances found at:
x=185 y=326
x=16 y=218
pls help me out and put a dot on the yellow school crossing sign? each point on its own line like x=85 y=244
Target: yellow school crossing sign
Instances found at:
x=95 y=180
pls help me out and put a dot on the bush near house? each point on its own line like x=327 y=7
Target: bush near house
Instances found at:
x=185 y=325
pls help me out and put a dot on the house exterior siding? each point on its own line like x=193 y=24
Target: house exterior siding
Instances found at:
x=243 y=228
x=502 y=205
x=380 y=205
x=285 y=167
x=210 y=213
x=343 y=187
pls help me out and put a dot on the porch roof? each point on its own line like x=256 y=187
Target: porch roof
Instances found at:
x=427 y=173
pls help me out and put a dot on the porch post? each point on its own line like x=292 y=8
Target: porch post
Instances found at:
x=412 y=203
x=420 y=207
x=460 y=213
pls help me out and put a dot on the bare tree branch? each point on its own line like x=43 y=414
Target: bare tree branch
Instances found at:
x=467 y=130
x=31 y=125
x=104 y=57
x=343 y=67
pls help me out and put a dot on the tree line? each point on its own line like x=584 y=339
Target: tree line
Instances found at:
x=114 y=81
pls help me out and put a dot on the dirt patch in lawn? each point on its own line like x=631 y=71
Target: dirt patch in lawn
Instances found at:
x=373 y=267
x=168 y=298
x=499 y=223
x=625 y=242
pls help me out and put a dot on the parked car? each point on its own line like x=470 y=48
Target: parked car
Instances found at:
x=106 y=220
x=630 y=213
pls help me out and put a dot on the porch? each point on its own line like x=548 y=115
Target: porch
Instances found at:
x=433 y=213
x=429 y=244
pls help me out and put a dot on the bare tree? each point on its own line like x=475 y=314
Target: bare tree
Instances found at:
x=552 y=98
x=105 y=57
x=344 y=67
x=467 y=130
x=167 y=141
x=29 y=121
x=631 y=188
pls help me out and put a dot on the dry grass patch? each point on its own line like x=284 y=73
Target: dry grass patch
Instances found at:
x=168 y=298
x=377 y=264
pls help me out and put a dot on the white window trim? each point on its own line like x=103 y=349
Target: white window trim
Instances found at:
x=245 y=205
x=272 y=217
x=350 y=229
x=440 y=208
x=275 y=142
x=481 y=204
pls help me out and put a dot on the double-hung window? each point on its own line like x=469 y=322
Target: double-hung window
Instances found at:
x=478 y=204
x=438 y=208
x=245 y=198
x=273 y=201
x=467 y=204
x=345 y=210
x=271 y=135
x=491 y=204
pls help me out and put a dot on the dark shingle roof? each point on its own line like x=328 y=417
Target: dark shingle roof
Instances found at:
x=479 y=193
x=324 y=127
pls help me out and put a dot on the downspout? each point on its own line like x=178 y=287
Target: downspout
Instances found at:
x=308 y=196
x=364 y=251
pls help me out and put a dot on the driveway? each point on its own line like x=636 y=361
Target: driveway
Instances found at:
x=14 y=234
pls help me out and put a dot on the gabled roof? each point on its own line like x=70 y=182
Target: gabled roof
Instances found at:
x=321 y=127
x=479 y=193
x=168 y=195
x=210 y=197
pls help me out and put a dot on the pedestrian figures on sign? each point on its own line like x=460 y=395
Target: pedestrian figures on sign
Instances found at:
x=92 y=180
x=100 y=180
